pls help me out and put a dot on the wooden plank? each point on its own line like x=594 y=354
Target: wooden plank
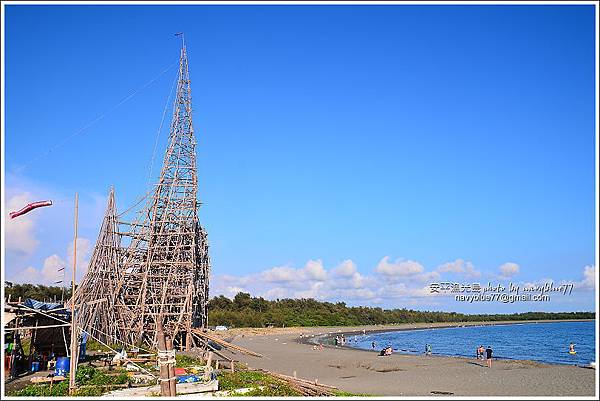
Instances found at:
x=54 y=379
x=225 y=343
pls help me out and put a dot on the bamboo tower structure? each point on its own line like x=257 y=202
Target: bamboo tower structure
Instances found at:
x=96 y=295
x=153 y=271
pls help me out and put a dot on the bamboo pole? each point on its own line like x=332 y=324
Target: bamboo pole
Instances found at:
x=164 y=369
x=224 y=343
x=73 y=360
x=171 y=366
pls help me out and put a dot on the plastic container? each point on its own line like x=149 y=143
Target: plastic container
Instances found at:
x=62 y=366
x=35 y=366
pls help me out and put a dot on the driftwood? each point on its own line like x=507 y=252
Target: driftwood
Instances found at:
x=224 y=343
x=304 y=387
x=54 y=379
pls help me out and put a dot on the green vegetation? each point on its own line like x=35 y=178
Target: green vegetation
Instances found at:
x=91 y=382
x=339 y=393
x=184 y=361
x=271 y=387
x=248 y=311
x=42 y=293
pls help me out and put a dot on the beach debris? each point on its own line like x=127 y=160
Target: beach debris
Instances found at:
x=302 y=386
x=224 y=343
x=442 y=392
x=53 y=379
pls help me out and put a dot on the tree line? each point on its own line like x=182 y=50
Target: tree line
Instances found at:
x=38 y=292
x=247 y=311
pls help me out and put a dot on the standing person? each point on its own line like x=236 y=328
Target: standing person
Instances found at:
x=572 y=349
x=83 y=345
x=427 y=349
x=488 y=355
x=480 y=352
x=373 y=344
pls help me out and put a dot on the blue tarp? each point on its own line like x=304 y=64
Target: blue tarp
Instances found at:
x=45 y=306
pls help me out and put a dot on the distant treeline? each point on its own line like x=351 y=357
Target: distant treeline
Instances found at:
x=38 y=292
x=247 y=311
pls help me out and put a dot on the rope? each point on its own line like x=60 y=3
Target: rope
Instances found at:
x=162 y=120
x=134 y=205
x=94 y=121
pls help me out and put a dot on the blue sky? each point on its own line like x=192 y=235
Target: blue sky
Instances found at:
x=330 y=138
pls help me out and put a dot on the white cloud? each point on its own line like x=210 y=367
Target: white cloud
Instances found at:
x=19 y=233
x=280 y=274
x=48 y=274
x=399 y=283
x=314 y=270
x=399 y=267
x=54 y=268
x=428 y=277
x=345 y=269
x=589 y=278
x=508 y=270
x=84 y=249
x=459 y=266
x=28 y=275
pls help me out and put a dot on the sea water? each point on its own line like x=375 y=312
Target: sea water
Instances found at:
x=542 y=342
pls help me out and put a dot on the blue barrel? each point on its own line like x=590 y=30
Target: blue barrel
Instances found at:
x=62 y=366
x=35 y=366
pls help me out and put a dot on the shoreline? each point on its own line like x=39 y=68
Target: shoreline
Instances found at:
x=361 y=371
x=312 y=340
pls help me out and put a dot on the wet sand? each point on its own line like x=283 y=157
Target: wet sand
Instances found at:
x=364 y=372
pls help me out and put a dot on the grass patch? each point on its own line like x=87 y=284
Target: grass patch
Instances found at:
x=272 y=387
x=93 y=381
x=338 y=393
x=184 y=361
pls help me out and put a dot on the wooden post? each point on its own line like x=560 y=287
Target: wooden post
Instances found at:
x=209 y=359
x=164 y=369
x=73 y=360
x=171 y=367
x=232 y=367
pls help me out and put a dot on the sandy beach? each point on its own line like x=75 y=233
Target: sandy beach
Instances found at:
x=364 y=372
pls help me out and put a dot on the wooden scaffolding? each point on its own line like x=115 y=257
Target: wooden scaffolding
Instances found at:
x=153 y=271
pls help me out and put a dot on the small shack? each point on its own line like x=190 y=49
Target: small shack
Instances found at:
x=36 y=333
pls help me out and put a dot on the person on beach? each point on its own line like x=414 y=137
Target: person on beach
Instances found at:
x=480 y=352
x=488 y=355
